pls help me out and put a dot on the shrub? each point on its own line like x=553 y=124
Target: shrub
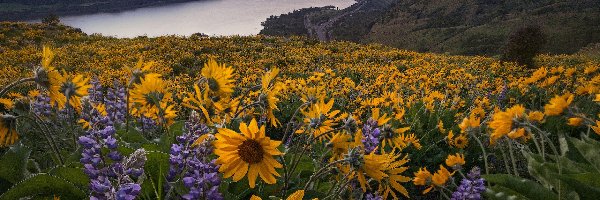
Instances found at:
x=51 y=19
x=523 y=44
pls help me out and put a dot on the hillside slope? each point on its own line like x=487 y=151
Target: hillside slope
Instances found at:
x=471 y=27
x=481 y=27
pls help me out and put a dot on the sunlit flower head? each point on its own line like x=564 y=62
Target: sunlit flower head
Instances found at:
x=139 y=72
x=374 y=166
x=455 y=161
x=392 y=183
x=71 y=88
x=558 y=104
x=270 y=91
x=151 y=98
x=319 y=118
x=6 y=104
x=535 y=116
x=460 y=141
x=575 y=121
x=503 y=122
x=219 y=78
x=469 y=123
x=423 y=177
x=441 y=176
x=249 y=153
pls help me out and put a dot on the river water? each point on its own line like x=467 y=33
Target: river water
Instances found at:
x=212 y=17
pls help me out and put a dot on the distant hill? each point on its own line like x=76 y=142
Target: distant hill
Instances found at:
x=463 y=26
x=17 y=10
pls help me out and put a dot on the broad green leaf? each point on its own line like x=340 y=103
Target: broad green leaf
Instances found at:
x=156 y=168
x=44 y=185
x=587 y=185
x=545 y=172
x=590 y=150
x=13 y=164
x=527 y=188
x=73 y=175
x=501 y=193
x=132 y=136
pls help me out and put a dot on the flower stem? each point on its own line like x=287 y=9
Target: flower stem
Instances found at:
x=14 y=84
x=512 y=158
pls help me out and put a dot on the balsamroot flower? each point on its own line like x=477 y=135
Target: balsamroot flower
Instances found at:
x=535 y=116
x=248 y=153
x=151 y=98
x=298 y=195
x=575 y=121
x=469 y=122
x=219 y=78
x=423 y=177
x=270 y=90
x=455 y=161
x=503 y=123
x=471 y=187
x=320 y=118
x=558 y=104
x=8 y=131
x=72 y=88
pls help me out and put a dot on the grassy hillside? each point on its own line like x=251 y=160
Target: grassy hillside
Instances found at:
x=481 y=27
x=472 y=27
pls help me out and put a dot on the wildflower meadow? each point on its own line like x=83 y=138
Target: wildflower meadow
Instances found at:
x=259 y=117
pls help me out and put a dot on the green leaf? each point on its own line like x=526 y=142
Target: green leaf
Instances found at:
x=587 y=185
x=156 y=167
x=44 y=185
x=73 y=175
x=524 y=187
x=545 y=172
x=13 y=164
x=132 y=136
x=590 y=150
x=501 y=193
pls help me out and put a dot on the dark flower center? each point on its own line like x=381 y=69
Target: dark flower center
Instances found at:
x=154 y=98
x=213 y=85
x=69 y=89
x=251 y=151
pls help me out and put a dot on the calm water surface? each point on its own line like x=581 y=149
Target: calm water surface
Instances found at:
x=212 y=17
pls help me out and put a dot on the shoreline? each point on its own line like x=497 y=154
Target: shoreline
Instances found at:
x=76 y=10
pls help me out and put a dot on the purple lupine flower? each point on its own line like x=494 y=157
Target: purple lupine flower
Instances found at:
x=373 y=197
x=95 y=92
x=41 y=106
x=471 y=187
x=191 y=165
x=502 y=95
x=108 y=179
x=148 y=124
x=116 y=104
x=128 y=191
x=371 y=135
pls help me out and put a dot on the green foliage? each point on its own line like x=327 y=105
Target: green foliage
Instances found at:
x=157 y=165
x=556 y=177
x=13 y=164
x=522 y=187
x=44 y=185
